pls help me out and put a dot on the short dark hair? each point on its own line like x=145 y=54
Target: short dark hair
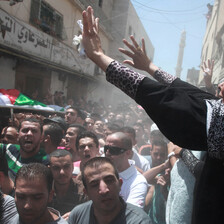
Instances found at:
x=74 y=108
x=32 y=171
x=55 y=131
x=113 y=127
x=129 y=130
x=60 y=153
x=79 y=127
x=86 y=134
x=32 y=120
x=160 y=143
x=95 y=163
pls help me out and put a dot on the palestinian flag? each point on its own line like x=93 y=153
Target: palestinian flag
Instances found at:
x=12 y=97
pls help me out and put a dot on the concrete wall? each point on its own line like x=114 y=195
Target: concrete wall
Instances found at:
x=209 y=42
x=56 y=84
x=7 y=73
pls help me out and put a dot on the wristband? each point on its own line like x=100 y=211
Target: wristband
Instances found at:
x=170 y=155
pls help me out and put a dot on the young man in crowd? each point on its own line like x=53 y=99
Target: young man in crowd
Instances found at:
x=67 y=191
x=119 y=149
x=9 y=135
x=70 y=139
x=102 y=185
x=28 y=150
x=52 y=136
x=159 y=177
x=33 y=192
x=87 y=145
x=140 y=161
x=74 y=116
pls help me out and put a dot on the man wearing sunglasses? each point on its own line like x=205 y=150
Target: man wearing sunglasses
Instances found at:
x=134 y=188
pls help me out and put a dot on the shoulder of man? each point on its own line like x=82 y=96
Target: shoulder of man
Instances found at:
x=42 y=157
x=80 y=214
x=135 y=215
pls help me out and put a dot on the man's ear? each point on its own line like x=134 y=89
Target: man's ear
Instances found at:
x=46 y=139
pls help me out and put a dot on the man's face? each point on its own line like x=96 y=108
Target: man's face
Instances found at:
x=89 y=124
x=70 y=137
x=32 y=197
x=30 y=138
x=107 y=131
x=139 y=131
x=61 y=168
x=103 y=188
x=158 y=155
x=87 y=149
x=71 y=116
x=119 y=159
x=111 y=116
x=98 y=127
x=9 y=135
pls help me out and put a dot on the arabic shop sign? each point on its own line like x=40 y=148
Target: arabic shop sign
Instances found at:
x=23 y=37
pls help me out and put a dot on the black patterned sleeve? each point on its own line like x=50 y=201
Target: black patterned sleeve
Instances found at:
x=164 y=77
x=194 y=165
x=124 y=78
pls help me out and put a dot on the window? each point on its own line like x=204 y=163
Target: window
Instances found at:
x=43 y=16
x=100 y=3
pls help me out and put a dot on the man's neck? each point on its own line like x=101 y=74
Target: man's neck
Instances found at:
x=27 y=155
x=49 y=148
x=47 y=217
x=61 y=190
x=107 y=217
x=124 y=166
x=75 y=156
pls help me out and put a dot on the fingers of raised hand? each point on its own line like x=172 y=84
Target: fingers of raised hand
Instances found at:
x=85 y=22
x=97 y=25
x=128 y=53
x=130 y=46
x=90 y=18
x=143 y=46
x=134 y=42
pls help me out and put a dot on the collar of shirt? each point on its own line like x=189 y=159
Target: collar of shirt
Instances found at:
x=126 y=174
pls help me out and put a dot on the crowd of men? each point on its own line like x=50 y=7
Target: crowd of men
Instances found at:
x=50 y=165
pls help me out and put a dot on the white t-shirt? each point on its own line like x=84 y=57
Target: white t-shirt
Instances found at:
x=134 y=187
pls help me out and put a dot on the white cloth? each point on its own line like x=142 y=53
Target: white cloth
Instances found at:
x=134 y=187
x=141 y=162
x=180 y=198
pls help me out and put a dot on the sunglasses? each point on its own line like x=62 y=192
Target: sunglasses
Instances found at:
x=114 y=150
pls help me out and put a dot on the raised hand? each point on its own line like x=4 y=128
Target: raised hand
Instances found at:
x=207 y=68
x=90 y=36
x=139 y=57
x=138 y=54
x=91 y=40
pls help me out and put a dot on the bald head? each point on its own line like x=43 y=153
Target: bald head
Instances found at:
x=121 y=140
